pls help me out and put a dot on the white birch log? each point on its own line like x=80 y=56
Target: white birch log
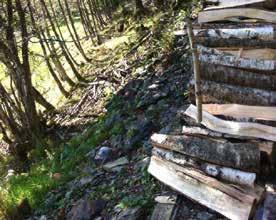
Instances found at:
x=231 y=3
x=224 y=173
x=226 y=14
x=214 y=56
x=265 y=32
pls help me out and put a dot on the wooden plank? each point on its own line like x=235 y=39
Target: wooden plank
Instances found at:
x=224 y=173
x=225 y=14
x=242 y=111
x=234 y=128
x=214 y=56
x=231 y=202
x=243 y=156
x=238 y=77
x=220 y=93
x=233 y=3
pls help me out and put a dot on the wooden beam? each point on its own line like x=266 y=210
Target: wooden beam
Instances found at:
x=214 y=56
x=242 y=111
x=224 y=173
x=234 y=203
x=225 y=14
x=243 y=156
x=234 y=128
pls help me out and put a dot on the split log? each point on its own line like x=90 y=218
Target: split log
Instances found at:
x=220 y=93
x=242 y=111
x=223 y=173
x=243 y=156
x=239 y=77
x=231 y=3
x=225 y=14
x=234 y=128
x=214 y=56
x=198 y=131
x=236 y=204
x=262 y=53
x=241 y=31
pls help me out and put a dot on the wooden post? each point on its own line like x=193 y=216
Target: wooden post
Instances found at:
x=198 y=95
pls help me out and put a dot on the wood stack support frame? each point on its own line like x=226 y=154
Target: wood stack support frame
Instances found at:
x=222 y=163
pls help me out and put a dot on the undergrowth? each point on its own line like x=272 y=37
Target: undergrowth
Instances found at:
x=64 y=159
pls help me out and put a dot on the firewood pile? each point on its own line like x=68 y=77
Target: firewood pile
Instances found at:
x=226 y=161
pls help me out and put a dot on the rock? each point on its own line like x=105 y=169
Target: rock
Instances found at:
x=85 y=209
x=43 y=217
x=142 y=164
x=204 y=216
x=131 y=214
x=117 y=165
x=10 y=174
x=104 y=154
x=147 y=147
x=85 y=181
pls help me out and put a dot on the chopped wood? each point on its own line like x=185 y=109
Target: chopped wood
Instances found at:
x=245 y=156
x=214 y=56
x=269 y=207
x=213 y=92
x=206 y=132
x=234 y=203
x=232 y=3
x=242 y=111
x=266 y=147
x=225 y=14
x=238 y=77
x=234 y=128
x=223 y=173
x=262 y=53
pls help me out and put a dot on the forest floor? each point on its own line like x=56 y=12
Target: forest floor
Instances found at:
x=98 y=160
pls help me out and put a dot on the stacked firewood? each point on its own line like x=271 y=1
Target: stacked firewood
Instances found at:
x=223 y=162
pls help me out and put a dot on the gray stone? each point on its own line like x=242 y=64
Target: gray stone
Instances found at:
x=104 y=154
x=204 y=216
x=85 y=209
x=43 y=217
x=117 y=165
x=131 y=214
x=142 y=164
